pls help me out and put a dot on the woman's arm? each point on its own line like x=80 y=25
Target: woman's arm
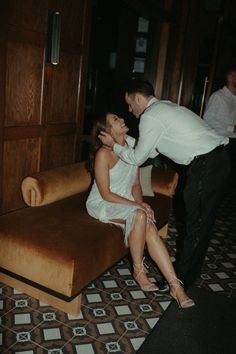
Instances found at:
x=101 y=170
x=138 y=195
x=137 y=189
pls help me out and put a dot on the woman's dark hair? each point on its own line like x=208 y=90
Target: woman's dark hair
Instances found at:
x=99 y=125
x=139 y=86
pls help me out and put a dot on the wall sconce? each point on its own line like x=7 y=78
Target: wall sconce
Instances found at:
x=53 y=38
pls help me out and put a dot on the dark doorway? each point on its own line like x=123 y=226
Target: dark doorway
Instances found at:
x=124 y=43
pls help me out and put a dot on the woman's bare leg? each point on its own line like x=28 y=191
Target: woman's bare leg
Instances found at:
x=137 y=240
x=160 y=255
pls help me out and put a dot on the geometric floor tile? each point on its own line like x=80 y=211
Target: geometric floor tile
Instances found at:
x=116 y=315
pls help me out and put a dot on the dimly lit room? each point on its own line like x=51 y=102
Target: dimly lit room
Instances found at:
x=117 y=179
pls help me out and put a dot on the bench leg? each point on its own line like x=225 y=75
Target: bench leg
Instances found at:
x=72 y=307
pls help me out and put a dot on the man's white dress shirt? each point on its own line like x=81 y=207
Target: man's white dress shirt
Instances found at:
x=220 y=112
x=173 y=131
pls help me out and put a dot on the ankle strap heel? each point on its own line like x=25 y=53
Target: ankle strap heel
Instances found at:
x=182 y=304
x=139 y=268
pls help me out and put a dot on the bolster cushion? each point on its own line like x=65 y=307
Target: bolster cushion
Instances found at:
x=49 y=186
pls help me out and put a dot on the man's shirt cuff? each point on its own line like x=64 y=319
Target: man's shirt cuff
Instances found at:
x=117 y=148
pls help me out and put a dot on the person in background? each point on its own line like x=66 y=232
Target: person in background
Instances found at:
x=220 y=112
x=116 y=197
x=182 y=136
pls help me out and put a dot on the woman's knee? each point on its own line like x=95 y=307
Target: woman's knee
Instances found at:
x=140 y=215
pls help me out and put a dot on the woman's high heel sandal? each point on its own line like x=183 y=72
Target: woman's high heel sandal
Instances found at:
x=139 y=269
x=185 y=303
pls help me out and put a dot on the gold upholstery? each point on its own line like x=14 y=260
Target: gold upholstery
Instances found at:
x=164 y=181
x=56 y=246
x=55 y=184
x=59 y=246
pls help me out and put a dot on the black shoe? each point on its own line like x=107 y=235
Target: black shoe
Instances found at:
x=163 y=286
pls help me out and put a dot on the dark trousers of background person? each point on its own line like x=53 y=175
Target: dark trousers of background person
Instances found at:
x=231 y=148
x=206 y=178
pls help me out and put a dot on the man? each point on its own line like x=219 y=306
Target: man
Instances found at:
x=185 y=138
x=220 y=112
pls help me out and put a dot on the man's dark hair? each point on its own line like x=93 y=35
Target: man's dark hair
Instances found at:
x=139 y=86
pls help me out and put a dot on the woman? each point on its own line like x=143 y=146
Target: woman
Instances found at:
x=116 y=197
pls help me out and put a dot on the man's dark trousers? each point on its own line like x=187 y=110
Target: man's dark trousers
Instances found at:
x=205 y=183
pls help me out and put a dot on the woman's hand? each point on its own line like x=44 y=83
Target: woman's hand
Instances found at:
x=106 y=139
x=148 y=209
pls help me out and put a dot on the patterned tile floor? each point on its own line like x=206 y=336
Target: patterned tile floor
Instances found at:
x=116 y=316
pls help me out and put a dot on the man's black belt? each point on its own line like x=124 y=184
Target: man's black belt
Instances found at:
x=217 y=148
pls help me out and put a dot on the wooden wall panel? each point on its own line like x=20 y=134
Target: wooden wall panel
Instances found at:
x=20 y=158
x=73 y=17
x=28 y=14
x=23 y=84
x=60 y=150
x=64 y=89
x=2 y=102
x=41 y=104
x=182 y=51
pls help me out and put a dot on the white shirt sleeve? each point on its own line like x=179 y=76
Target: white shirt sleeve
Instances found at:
x=130 y=140
x=215 y=115
x=147 y=143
